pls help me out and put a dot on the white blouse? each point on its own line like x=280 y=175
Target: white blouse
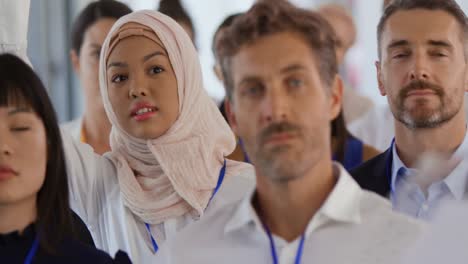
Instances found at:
x=96 y=197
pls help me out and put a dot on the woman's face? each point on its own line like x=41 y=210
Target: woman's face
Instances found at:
x=142 y=87
x=86 y=64
x=23 y=154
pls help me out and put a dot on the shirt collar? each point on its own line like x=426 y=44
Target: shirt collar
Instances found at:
x=342 y=205
x=456 y=181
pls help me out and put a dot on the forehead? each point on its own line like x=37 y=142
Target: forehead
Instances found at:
x=270 y=54
x=97 y=32
x=421 y=25
x=134 y=47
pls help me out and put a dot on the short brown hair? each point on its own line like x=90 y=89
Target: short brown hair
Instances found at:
x=449 y=6
x=275 y=16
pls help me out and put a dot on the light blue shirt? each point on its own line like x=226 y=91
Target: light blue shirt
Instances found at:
x=408 y=198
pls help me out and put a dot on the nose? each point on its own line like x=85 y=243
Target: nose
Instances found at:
x=419 y=69
x=5 y=149
x=138 y=88
x=275 y=106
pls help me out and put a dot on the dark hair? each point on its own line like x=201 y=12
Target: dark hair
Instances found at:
x=91 y=14
x=175 y=10
x=449 y=6
x=270 y=17
x=341 y=134
x=21 y=86
x=385 y=4
x=226 y=23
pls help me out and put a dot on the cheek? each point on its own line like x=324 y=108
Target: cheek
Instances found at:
x=31 y=160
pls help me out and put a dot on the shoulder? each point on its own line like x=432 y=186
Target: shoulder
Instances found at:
x=234 y=187
x=367 y=171
x=379 y=217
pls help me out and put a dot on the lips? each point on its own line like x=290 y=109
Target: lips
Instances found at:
x=278 y=138
x=421 y=92
x=143 y=111
x=6 y=173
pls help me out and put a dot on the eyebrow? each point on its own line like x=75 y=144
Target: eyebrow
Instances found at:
x=249 y=79
x=117 y=64
x=397 y=43
x=290 y=68
x=440 y=43
x=437 y=43
x=293 y=67
x=145 y=58
x=19 y=110
x=156 y=53
x=96 y=46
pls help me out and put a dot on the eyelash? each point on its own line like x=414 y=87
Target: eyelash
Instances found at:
x=121 y=76
x=20 y=129
x=156 y=68
x=114 y=79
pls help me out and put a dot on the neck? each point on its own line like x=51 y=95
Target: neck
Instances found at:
x=287 y=207
x=97 y=128
x=16 y=217
x=445 y=139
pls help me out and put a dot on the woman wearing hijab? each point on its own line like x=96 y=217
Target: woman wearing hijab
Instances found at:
x=168 y=140
x=36 y=224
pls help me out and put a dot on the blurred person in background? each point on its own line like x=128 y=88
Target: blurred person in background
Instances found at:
x=283 y=89
x=36 y=223
x=422 y=70
x=239 y=153
x=354 y=104
x=89 y=30
x=347 y=149
x=175 y=10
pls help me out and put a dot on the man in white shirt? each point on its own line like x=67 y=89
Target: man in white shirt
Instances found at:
x=423 y=72
x=280 y=73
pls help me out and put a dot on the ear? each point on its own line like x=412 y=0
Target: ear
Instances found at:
x=336 y=97
x=75 y=60
x=217 y=72
x=378 y=67
x=231 y=116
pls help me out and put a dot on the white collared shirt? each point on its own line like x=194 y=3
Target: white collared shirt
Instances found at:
x=96 y=197
x=73 y=128
x=408 y=198
x=352 y=226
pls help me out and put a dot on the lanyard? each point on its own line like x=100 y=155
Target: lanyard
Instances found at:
x=32 y=251
x=273 y=248
x=218 y=185
x=388 y=170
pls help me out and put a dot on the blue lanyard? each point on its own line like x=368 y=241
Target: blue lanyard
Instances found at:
x=246 y=157
x=273 y=248
x=389 y=164
x=218 y=185
x=32 y=251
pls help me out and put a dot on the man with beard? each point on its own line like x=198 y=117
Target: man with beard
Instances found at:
x=422 y=69
x=280 y=74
